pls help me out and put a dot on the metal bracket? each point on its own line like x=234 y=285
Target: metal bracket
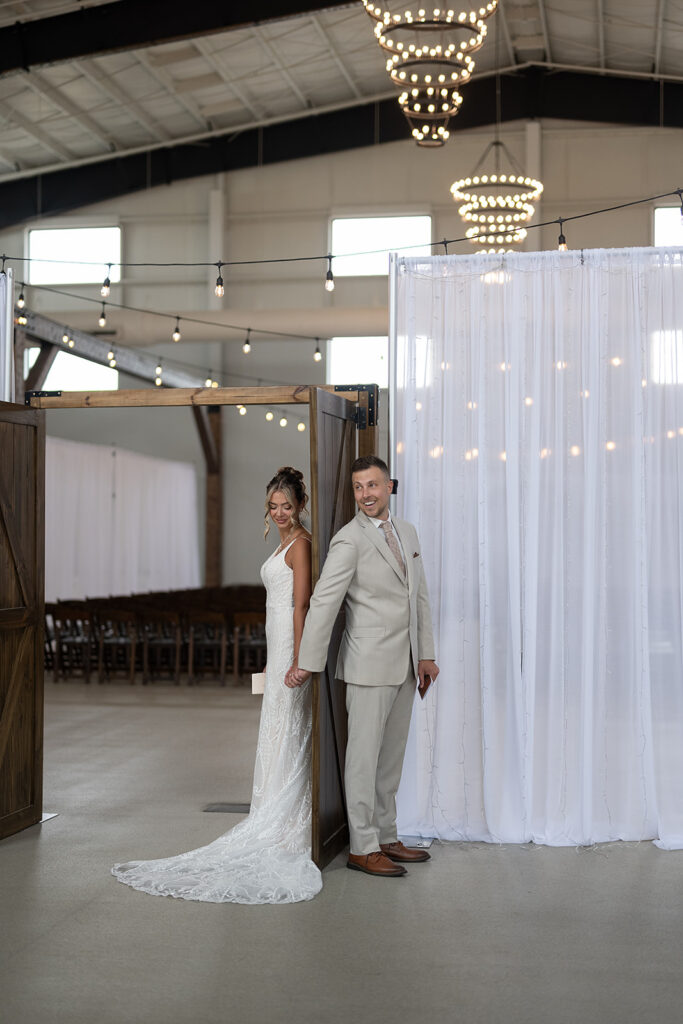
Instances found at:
x=372 y=391
x=28 y=395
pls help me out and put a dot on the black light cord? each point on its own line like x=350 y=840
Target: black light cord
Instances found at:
x=678 y=192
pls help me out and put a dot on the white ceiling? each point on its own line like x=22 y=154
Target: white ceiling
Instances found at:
x=64 y=114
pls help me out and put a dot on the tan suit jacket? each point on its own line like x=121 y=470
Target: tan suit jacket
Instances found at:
x=388 y=619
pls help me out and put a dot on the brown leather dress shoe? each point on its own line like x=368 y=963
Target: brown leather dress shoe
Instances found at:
x=403 y=854
x=375 y=864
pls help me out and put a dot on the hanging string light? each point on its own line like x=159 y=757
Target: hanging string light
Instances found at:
x=329 y=277
x=242 y=410
x=301 y=426
x=21 y=301
x=105 y=290
x=176 y=336
x=270 y=415
x=561 y=241
x=158 y=370
x=283 y=421
x=103 y=317
x=22 y=319
x=209 y=381
x=317 y=355
x=219 y=289
x=429 y=55
x=65 y=336
x=112 y=358
x=246 y=347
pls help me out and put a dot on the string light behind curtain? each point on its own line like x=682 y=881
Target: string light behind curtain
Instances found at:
x=539 y=443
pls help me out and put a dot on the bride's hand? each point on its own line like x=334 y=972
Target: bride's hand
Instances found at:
x=289 y=676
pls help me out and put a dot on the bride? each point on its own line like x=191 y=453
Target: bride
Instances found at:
x=267 y=857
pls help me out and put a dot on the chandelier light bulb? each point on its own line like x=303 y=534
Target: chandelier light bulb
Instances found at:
x=105 y=290
x=329 y=277
x=176 y=336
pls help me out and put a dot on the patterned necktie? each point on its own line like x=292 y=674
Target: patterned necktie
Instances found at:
x=390 y=538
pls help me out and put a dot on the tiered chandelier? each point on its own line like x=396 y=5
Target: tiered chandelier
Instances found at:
x=429 y=58
x=496 y=206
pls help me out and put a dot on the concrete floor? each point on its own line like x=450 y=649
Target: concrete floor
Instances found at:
x=479 y=934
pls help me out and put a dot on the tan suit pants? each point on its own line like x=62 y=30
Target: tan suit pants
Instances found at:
x=379 y=719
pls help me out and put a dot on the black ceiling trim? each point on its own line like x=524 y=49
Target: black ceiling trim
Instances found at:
x=533 y=93
x=129 y=24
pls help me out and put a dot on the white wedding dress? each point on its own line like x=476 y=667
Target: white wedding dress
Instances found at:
x=267 y=857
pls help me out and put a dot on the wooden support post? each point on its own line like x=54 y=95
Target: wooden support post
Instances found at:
x=37 y=375
x=20 y=346
x=214 y=503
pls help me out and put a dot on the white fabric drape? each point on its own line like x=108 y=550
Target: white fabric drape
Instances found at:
x=117 y=522
x=6 y=337
x=538 y=440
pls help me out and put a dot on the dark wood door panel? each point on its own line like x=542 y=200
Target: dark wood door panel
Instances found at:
x=333 y=448
x=22 y=471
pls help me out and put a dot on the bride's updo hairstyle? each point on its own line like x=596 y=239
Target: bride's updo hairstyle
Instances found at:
x=290 y=482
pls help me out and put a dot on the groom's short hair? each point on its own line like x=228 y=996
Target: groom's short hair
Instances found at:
x=370 y=462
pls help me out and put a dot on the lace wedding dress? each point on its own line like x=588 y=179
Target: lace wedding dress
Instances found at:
x=267 y=857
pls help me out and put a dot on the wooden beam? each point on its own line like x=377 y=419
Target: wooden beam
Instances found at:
x=87 y=346
x=286 y=394
x=37 y=375
x=201 y=419
x=213 y=560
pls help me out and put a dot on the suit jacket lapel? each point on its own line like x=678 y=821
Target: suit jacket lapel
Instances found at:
x=407 y=555
x=376 y=538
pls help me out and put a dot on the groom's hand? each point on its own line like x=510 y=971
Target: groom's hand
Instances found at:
x=427 y=672
x=296 y=677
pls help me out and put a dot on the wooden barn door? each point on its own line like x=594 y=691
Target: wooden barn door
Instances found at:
x=22 y=543
x=333 y=449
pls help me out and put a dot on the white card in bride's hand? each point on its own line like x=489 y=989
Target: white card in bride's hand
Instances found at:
x=258 y=682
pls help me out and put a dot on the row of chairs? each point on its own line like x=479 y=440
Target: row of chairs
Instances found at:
x=209 y=632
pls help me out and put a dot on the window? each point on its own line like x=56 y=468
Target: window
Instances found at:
x=71 y=373
x=367 y=234
x=96 y=247
x=358 y=361
x=668 y=225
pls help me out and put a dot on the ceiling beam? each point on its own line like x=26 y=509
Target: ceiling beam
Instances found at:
x=163 y=78
x=36 y=132
x=202 y=46
x=335 y=56
x=130 y=25
x=110 y=88
x=272 y=53
x=659 y=35
x=544 y=28
x=529 y=91
x=601 y=33
x=57 y=98
x=512 y=56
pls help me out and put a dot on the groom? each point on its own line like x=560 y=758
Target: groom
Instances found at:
x=374 y=566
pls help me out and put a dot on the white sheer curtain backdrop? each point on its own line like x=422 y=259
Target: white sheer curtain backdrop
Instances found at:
x=538 y=440
x=117 y=522
x=6 y=337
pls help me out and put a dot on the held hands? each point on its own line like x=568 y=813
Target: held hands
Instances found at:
x=427 y=671
x=296 y=676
